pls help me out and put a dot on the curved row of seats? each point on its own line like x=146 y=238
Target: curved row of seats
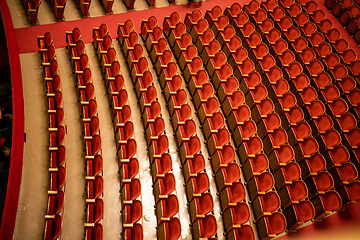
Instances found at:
x=32 y=7
x=348 y=14
x=228 y=89
x=204 y=224
x=342 y=170
x=215 y=48
x=344 y=173
x=252 y=68
x=307 y=148
x=307 y=95
x=130 y=186
x=57 y=133
x=91 y=135
x=164 y=187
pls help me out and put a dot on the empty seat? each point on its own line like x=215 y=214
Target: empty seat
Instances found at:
x=251 y=147
x=205 y=228
x=298 y=214
x=244 y=232
x=196 y=186
x=259 y=185
x=95 y=232
x=161 y=166
x=136 y=232
x=185 y=131
x=128 y=171
x=170 y=230
x=213 y=124
x=127 y=151
x=164 y=186
x=312 y=166
x=158 y=147
x=266 y=204
x=218 y=140
x=271 y=226
x=201 y=206
x=232 y=195
x=131 y=214
x=326 y=204
x=228 y=175
x=167 y=208
x=222 y=157
x=53 y=228
x=130 y=191
x=193 y=166
x=287 y=175
x=94 y=212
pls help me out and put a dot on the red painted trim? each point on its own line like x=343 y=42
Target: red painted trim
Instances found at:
x=17 y=148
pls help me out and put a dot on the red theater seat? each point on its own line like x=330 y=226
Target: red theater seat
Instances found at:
x=232 y=11
x=201 y=206
x=53 y=228
x=299 y=213
x=231 y=196
x=193 y=166
x=203 y=94
x=136 y=232
x=94 y=233
x=348 y=56
x=170 y=22
x=287 y=175
x=176 y=101
x=254 y=166
x=261 y=184
x=245 y=232
x=213 y=124
x=181 y=115
x=132 y=214
x=236 y=217
x=213 y=14
x=196 y=186
x=222 y=157
x=161 y=166
x=185 y=131
x=154 y=129
x=326 y=204
x=121 y=117
x=127 y=151
x=167 y=208
x=170 y=230
x=349 y=193
x=164 y=186
x=124 y=134
x=55 y=204
x=94 y=189
x=130 y=191
x=128 y=171
x=266 y=204
x=228 y=175
x=205 y=228
x=158 y=147
x=281 y=157
x=244 y=131
x=192 y=18
x=218 y=140
x=94 y=212
x=271 y=226
x=338 y=107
